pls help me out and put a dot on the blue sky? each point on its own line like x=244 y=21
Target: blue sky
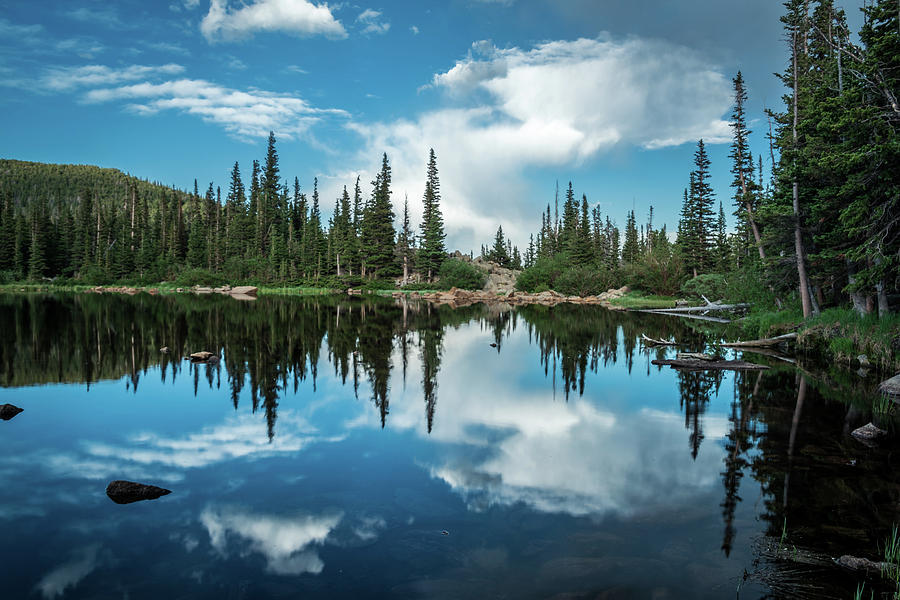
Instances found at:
x=512 y=94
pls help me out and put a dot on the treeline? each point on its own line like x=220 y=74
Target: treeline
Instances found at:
x=821 y=228
x=119 y=228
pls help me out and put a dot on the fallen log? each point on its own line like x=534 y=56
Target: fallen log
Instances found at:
x=655 y=342
x=693 y=309
x=715 y=365
x=683 y=315
x=697 y=356
x=762 y=343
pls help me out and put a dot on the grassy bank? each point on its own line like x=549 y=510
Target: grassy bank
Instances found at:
x=837 y=335
x=638 y=300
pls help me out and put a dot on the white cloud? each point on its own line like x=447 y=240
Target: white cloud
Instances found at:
x=65 y=78
x=559 y=103
x=285 y=542
x=69 y=574
x=299 y=17
x=371 y=22
x=296 y=69
x=248 y=114
x=414 y=29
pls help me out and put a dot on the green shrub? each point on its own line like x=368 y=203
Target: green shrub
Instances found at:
x=583 y=281
x=375 y=285
x=95 y=275
x=202 y=277
x=711 y=285
x=460 y=274
x=660 y=271
x=542 y=275
x=7 y=277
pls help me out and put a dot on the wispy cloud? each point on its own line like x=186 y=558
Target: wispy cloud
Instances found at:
x=97 y=15
x=67 y=78
x=244 y=114
x=70 y=573
x=414 y=29
x=299 y=17
x=371 y=22
x=296 y=69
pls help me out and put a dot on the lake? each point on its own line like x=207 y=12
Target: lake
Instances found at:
x=376 y=448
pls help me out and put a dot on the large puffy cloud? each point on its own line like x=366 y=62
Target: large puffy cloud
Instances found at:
x=245 y=114
x=299 y=17
x=559 y=103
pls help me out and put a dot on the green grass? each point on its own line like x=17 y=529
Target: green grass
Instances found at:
x=638 y=300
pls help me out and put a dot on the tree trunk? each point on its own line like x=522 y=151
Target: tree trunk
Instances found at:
x=805 y=298
x=405 y=269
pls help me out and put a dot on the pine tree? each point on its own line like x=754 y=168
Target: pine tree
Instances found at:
x=432 y=251
x=380 y=224
x=631 y=250
x=405 y=242
x=742 y=166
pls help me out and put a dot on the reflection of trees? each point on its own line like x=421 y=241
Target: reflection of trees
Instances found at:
x=696 y=388
x=582 y=338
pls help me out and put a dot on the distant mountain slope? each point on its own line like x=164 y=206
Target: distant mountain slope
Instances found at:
x=29 y=181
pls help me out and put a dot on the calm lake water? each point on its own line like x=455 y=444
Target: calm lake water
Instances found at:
x=368 y=448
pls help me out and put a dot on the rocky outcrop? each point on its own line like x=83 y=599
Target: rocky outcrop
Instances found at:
x=500 y=280
x=457 y=297
x=126 y=492
x=8 y=411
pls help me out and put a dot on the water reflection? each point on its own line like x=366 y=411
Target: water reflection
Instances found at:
x=540 y=438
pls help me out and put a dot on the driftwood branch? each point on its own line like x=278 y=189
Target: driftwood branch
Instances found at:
x=763 y=343
x=654 y=342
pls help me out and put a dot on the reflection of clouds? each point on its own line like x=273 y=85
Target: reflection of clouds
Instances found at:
x=505 y=442
x=239 y=437
x=589 y=469
x=285 y=542
x=243 y=436
x=368 y=528
x=68 y=574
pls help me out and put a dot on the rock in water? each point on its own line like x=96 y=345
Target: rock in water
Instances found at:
x=126 y=492
x=868 y=433
x=891 y=387
x=202 y=356
x=8 y=411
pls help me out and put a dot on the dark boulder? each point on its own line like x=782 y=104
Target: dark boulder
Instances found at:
x=126 y=492
x=8 y=411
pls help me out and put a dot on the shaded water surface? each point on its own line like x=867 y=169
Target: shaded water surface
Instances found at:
x=377 y=448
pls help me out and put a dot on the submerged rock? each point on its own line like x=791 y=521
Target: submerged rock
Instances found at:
x=164 y=350
x=126 y=492
x=868 y=432
x=8 y=411
x=855 y=563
